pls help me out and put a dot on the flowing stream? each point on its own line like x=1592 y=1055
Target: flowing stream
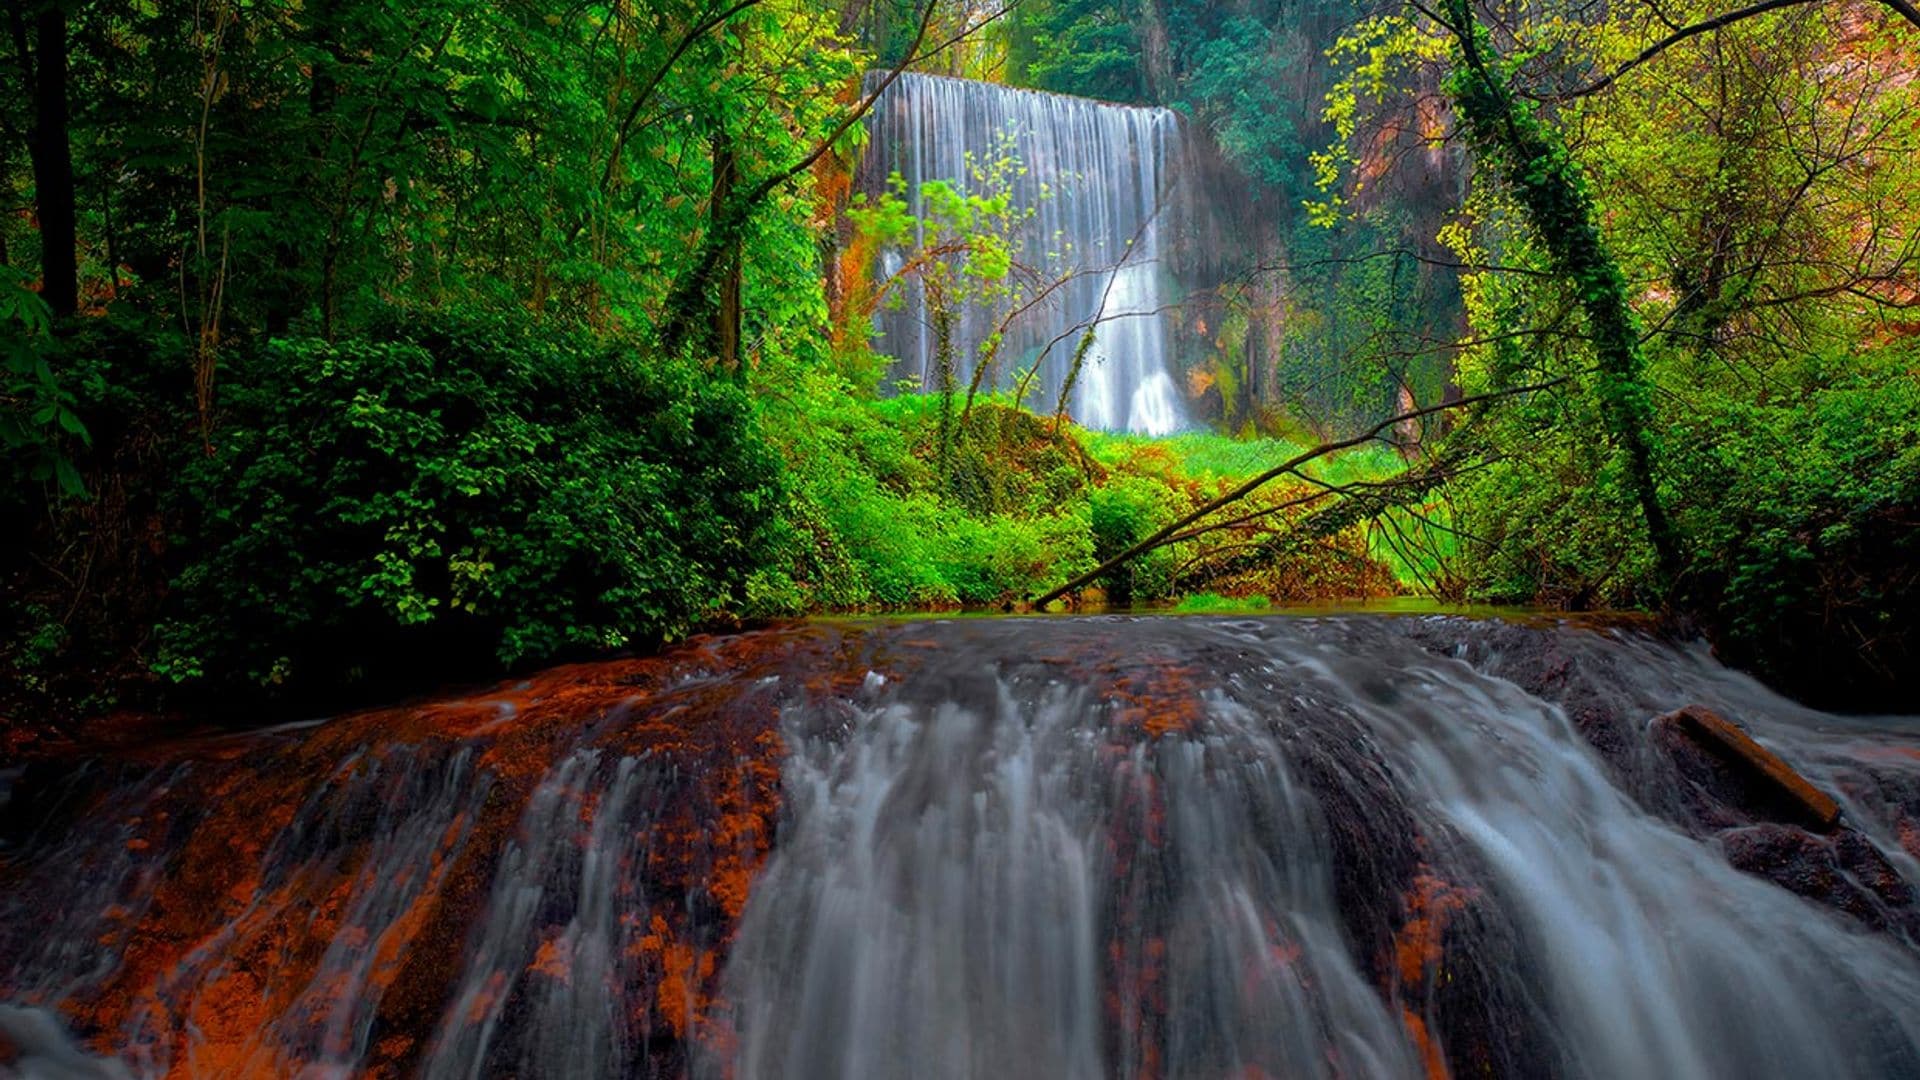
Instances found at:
x=1349 y=846
x=1102 y=183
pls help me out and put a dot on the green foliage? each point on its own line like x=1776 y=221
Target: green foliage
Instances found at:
x=1806 y=555
x=1633 y=250
x=1555 y=527
x=37 y=418
x=1798 y=517
x=448 y=244
x=885 y=529
x=1086 y=47
x=1126 y=510
x=977 y=226
x=461 y=482
x=956 y=241
x=350 y=153
x=384 y=491
x=1358 y=326
x=1021 y=509
x=1549 y=185
x=1233 y=86
x=1215 y=604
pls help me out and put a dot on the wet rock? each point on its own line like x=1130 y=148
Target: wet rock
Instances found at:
x=1194 y=846
x=1843 y=871
x=1597 y=691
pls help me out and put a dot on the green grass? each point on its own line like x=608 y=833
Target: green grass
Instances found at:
x=1415 y=550
x=1205 y=454
x=1214 y=603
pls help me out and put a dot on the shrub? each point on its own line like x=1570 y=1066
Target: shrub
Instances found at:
x=1006 y=557
x=1798 y=509
x=36 y=407
x=1124 y=511
x=1805 y=524
x=458 y=484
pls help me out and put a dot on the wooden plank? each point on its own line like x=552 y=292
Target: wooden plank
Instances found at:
x=1719 y=734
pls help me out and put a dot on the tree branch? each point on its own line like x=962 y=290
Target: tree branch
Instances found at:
x=1282 y=469
x=695 y=33
x=1904 y=8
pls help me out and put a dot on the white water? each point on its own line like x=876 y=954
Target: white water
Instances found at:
x=958 y=895
x=1101 y=180
x=574 y=1028
x=1066 y=848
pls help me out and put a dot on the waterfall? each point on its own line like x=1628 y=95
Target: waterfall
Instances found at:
x=1102 y=182
x=1075 y=848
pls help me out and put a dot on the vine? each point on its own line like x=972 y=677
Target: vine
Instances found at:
x=1534 y=161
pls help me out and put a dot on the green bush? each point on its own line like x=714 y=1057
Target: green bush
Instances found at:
x=884 y=529
x=1007 y=556
x=1572 y=540
x=1124 y=511
x=1805 y=528
x=36 y=406
x=1798 y=511
x=461 y=484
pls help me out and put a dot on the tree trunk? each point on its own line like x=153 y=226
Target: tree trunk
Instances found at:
x=943 y=353
x=1073 y=377
x=53 y=161
x=1535 y=162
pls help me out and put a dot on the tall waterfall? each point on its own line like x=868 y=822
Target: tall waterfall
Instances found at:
x=1100 y=182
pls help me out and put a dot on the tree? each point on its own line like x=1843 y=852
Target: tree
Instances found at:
x=1535 y=163
x=959 y=251
x=43 y=70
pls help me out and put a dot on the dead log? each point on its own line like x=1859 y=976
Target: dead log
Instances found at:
x=1735 y=747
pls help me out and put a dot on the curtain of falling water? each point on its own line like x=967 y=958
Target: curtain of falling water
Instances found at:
x=1101 y=180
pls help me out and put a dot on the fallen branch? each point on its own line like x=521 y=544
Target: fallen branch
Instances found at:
x=1260 y=481
x=1362 y=501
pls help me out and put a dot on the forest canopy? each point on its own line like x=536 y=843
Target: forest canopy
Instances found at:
x=350 y=345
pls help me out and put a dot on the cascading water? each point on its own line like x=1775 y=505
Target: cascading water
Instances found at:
x=1140 y=847
x=1101 y=181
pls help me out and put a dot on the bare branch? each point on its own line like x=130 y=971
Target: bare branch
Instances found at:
x=1283 y=469
x=1904 y=8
